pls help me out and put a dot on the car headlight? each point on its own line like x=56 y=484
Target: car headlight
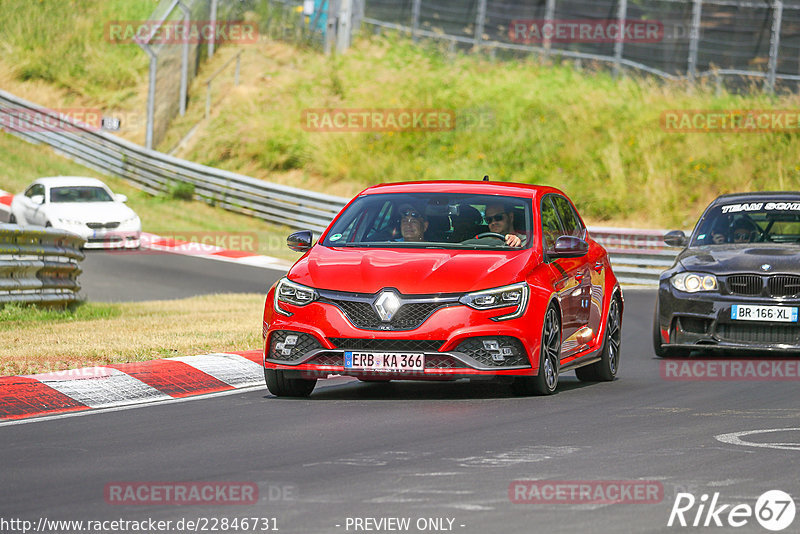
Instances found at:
x=500 y=297
x=694 y=282
x=293 y=293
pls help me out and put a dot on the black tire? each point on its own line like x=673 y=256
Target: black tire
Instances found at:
x=546 y=382
x=280 y=386
x=48 y=225
x=12 y=219
x=606 y=369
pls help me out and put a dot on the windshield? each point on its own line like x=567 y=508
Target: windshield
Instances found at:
x=432 y=220
x=754 y=222
x=79 y=194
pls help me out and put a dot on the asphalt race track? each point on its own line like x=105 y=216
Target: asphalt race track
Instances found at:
x=151 y=275
x=356 y=454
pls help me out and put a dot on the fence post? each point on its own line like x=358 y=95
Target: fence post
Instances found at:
x=330 y=27
x=549 y=13
x=480 y=22
x=213 y=17
x=415 y=20
x=151 y=97
x=622 y=12
x=774 y=43
x=187 y=21
x=344 y=27
x=694 y=37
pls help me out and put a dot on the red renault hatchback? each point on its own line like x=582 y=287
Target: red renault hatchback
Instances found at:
x=443 y=281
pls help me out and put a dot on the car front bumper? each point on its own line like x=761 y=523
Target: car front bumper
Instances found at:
x=702 y=321
x=451 y=339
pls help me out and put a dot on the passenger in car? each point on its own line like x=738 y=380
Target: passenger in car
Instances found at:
x=412 y=223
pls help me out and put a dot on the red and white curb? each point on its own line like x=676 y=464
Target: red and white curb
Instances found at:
x=108 y=386
x=212 y=252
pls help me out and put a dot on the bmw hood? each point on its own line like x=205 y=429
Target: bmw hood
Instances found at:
x=417 y=271
x=726 y=259
x=102 y=212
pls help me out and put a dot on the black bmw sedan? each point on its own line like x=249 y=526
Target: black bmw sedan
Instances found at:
x=736 y=283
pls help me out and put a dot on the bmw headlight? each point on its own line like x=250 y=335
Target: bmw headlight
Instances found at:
x=694 y=282
x=501 y=297
x=293 y=293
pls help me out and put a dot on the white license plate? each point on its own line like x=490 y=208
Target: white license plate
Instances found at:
x=384 y=361
x=746 y=312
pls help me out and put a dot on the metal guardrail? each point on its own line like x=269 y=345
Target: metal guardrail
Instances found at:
x=39 y=265
x=637 y=256
x=156 y=172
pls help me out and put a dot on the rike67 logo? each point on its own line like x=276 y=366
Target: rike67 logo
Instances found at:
x=774 y=510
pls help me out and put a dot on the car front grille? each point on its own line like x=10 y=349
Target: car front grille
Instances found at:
x=387 y=345
x=413 y=310
x=759 y=333
x=777 y=285
x=745 y=284
x=327 y=358
x=781 y=285
x=99 y=225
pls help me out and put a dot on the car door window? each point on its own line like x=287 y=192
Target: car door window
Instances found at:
x=551 y=227
x=572 y=225
x=35 y=189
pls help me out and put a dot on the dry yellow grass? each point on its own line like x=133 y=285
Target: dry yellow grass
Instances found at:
x=131 y=332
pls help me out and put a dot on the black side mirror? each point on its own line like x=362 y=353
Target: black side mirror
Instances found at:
x=300 y=241
x=676 y=238
x=568 y=246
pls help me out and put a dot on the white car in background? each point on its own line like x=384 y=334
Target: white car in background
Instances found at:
x=84 y=206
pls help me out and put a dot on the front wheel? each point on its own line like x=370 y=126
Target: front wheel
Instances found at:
x=12 y=219
x=281 y=386
x=606 y=369
x=546 y=382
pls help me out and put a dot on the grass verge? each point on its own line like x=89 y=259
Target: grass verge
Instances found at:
x=101 y=333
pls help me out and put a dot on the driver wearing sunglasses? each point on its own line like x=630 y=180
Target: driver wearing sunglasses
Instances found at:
x=413 y=223
x=501 y=221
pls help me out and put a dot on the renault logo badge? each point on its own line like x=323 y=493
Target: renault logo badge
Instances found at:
x=387 y=305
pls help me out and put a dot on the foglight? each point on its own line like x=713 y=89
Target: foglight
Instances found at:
x=694 y=282
x=501 y=297
x=292 y=293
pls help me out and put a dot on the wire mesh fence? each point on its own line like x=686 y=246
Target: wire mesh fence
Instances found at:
x=180 y=34
x=742 y=44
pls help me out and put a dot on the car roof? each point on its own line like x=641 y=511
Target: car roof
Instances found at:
x=60 y=181
x=755 y=196
x=463 y=186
